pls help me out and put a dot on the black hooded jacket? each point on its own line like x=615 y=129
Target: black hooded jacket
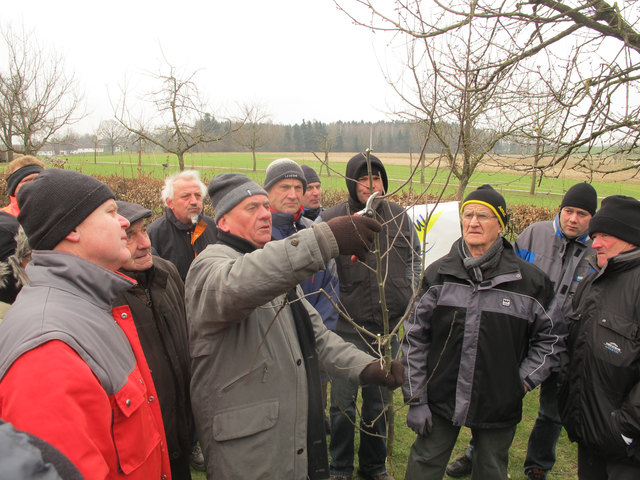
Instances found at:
x=358 y=282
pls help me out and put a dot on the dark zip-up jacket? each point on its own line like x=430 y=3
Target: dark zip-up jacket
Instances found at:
x=359 y=292
x=171 y=239
x=157 y=305
x=599 y=396
x=481 y=343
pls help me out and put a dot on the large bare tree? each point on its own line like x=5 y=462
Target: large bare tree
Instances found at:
x=178 y=108
x=452 y=85
x=585 y=52
x=37 y=97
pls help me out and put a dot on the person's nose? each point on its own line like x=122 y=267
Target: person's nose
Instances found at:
x=124 y=223
x=144 y=242
x=264 y=212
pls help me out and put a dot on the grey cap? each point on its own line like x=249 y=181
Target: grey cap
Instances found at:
x=228 y=189
x=281 y=169
x=310 y=174
x=132 y=211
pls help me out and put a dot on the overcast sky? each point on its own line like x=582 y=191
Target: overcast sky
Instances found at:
x=301 y=59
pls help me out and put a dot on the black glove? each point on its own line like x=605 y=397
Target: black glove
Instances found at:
x=375 y=374
x=354 y=234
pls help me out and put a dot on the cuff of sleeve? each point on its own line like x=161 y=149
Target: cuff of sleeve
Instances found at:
x=326 y=241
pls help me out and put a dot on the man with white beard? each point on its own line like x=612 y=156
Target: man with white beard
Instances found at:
x=184 y=231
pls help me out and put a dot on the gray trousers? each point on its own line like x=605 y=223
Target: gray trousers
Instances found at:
x=430 y=453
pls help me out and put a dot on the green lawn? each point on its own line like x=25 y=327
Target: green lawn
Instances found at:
x=514 y=186
x=565 y=468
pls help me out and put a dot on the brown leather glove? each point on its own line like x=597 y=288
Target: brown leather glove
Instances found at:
x=373 y=374
x=354 y=234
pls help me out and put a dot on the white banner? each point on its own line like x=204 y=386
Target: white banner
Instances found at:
x=442 y=229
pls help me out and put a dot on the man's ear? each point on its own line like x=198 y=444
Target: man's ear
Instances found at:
x=222 y=224
x=73 y=236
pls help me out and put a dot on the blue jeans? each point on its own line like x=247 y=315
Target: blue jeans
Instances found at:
x=541 y=451
x=372 y=453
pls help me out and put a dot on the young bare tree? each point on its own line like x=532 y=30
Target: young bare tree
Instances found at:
x=37 y=97
x=326 y=141
x=254 y=133
x=178 y=108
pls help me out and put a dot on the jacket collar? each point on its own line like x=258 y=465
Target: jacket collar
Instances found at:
x=239 y=244
x=507 y=269
x=286 y=223
x=76 y=275
x=148 y=277
x=177 y=223
x=619 y=263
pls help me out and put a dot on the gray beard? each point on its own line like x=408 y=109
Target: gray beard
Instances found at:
x=194 y=219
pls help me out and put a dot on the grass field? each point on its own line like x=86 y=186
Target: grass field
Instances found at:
x=513 y=185
x=565 y=468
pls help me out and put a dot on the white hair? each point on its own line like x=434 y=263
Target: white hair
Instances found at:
x=167 y=190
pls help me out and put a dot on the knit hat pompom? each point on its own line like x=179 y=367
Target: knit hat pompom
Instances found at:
x=581 y=195
x=619 y=216
x=56 y=202
x=281 y=169
x=486 y=195
x=228 y=189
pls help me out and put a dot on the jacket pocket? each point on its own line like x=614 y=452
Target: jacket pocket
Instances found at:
x=135 y=433
x=239 y=422
x=615 y=340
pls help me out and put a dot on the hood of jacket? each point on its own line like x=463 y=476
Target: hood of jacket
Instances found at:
x=357 y=167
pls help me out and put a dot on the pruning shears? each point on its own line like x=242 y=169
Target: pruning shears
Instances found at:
x=367 y=211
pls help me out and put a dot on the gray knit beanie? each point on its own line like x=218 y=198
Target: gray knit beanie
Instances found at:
x=284 y=168
x=310 y=174
x=56 y=202
x=228 y=189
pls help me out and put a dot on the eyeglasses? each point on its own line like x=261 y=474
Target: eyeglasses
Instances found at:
x=482 y=217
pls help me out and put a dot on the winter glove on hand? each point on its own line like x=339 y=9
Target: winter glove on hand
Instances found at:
x=419 y=418
x=375 y=374
x=354 y=234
